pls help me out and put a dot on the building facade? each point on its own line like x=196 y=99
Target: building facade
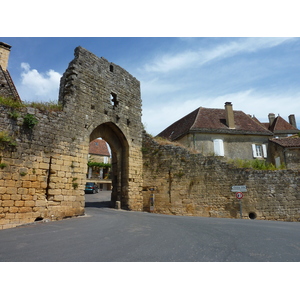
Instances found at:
x=221 y=132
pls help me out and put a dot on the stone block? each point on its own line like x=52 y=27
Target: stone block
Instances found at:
x=54 y=192
x=44 y=166
x=25 y=209
x=27 y=197
x=6 y=197
x=19 y=203
x=29 y=203
x=13 y=209
x=26 y=184
x=40 y=203
x=22 y=191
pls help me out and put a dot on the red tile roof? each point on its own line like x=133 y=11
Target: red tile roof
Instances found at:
x=212 y=120
x=280 y=125
x=293 y=141
x=99 y=147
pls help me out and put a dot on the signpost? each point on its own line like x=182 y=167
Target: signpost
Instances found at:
x=239 y=190
x=239 y=195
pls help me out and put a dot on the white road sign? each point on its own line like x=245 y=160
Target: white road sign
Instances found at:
x=239 y=188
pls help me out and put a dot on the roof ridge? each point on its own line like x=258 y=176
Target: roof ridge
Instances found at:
x=279 y=120
x=198 y=112
x=257 y=122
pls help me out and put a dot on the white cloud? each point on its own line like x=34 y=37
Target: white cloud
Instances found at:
x=186 y=59
x=37 y=86
x=157 y=87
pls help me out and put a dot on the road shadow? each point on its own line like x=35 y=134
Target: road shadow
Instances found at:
x=98 y=200
x=102 y=204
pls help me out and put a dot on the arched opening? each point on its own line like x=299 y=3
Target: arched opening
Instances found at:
x=99 y=164
x=118 y=173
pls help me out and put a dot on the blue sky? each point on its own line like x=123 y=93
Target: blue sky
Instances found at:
x=177 y=75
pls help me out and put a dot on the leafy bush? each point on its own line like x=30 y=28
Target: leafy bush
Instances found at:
x=14 y=115
x=98 y=164
x=30 y=121
x=3 y=165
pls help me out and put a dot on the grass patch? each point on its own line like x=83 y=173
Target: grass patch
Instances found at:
x=255 y=164
x=43 y=106
x=162 y=141
x=8 y=102
x=6 y=140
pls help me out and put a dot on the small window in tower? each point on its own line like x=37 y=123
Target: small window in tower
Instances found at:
x=111 y=68
x=113 y=99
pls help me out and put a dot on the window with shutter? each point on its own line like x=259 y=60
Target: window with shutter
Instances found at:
x=259 y=150
x=218 y=147
x=265 y=153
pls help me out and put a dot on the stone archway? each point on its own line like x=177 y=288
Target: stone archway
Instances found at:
x=45 y=174
x=120 y=153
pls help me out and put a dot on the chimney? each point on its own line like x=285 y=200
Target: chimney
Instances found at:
x=229 y=115
x=271 y=118
x=292 y=120
x=4 y=55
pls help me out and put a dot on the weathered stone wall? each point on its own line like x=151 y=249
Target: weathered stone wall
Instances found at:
x=191 y=184
x=40 y=170
x=43 y=168
x=290 y=156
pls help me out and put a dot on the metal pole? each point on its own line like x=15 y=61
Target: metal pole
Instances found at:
x=241 y=209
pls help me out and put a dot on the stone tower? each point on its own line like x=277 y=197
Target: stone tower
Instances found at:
x=7 y=87
x=4 y=55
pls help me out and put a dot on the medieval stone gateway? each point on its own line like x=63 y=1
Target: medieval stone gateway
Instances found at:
x=44 y=154
x=44 y=167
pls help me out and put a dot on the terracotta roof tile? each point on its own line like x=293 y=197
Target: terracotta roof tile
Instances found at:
x=212 y=120
x=280 y=125
x=99 y=147
x=293 y=141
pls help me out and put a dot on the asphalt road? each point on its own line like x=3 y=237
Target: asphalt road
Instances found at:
x=109 y=235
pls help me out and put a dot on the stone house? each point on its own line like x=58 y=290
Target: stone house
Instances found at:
x=280 y=127
x=221 y=132
x=285 y=150
x=99 y=152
